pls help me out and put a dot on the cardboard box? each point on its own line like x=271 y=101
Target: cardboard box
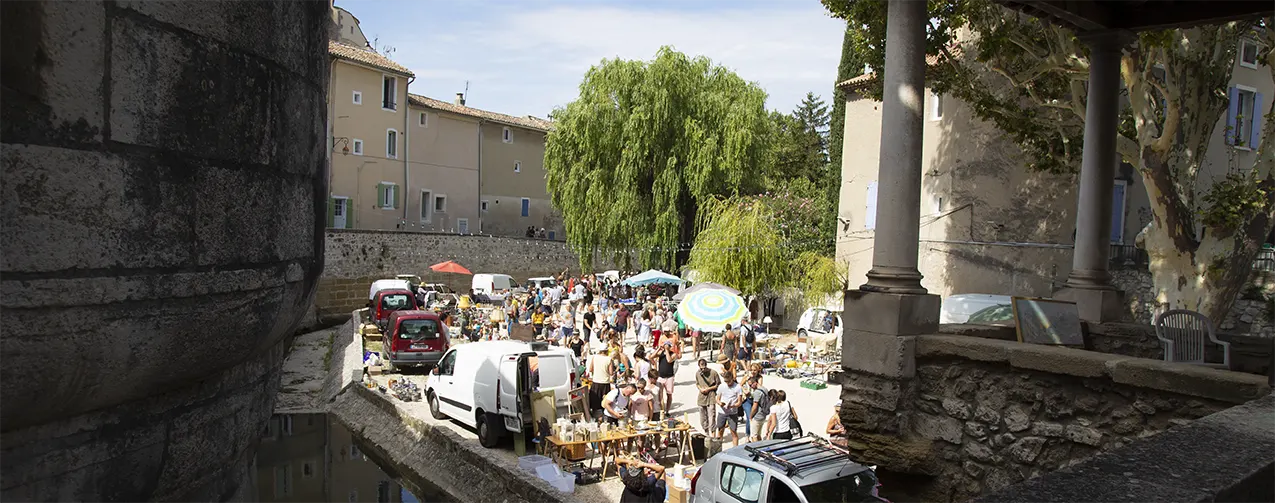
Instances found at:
x=675 y=494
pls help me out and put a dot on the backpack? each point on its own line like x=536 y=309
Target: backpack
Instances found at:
x=749 y=337
x=763 y=405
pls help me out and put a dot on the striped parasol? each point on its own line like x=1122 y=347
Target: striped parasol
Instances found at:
x=711 y=309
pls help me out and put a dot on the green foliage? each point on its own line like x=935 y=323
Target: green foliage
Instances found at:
x=1232 y=201
x=647 y=143
x=851 y=66
x=742 y=246
x=802 y=177
x=749 y=243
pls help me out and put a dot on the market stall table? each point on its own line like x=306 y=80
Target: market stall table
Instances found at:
x=608 y=445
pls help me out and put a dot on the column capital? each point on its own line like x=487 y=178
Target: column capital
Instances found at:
x=1110 y=40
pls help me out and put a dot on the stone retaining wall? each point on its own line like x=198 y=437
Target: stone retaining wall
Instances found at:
x=354 y=258
x=1253 y=313
x=981 y=414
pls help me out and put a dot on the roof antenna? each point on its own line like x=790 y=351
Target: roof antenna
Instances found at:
x=466 y=89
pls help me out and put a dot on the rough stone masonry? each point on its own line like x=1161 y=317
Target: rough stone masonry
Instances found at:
x=163 y=205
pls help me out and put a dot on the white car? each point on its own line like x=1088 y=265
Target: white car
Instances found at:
x=820 y=327
x=802 y=470
x=488 y=385
x=540 y=283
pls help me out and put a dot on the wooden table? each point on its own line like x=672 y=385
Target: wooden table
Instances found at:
x=608 y=446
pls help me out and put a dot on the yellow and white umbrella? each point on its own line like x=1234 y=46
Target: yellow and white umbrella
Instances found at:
x=711 y=309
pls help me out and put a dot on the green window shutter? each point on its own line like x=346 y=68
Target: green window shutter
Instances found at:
x=331 y=211
x=380 y=195
x=349 y=216
x=395 y=197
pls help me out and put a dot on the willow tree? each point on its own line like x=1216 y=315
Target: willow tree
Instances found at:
x=644 y=145
x=748 y=243
x=1029 y=78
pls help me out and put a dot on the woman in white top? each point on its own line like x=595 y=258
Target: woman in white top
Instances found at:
x=599 y=371
x=778 y=425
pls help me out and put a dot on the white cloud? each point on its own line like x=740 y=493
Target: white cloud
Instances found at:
x=523 y=60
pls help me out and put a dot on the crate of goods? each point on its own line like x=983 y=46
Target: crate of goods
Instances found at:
x=530 y=463
x=565 y=482
x=813 y=384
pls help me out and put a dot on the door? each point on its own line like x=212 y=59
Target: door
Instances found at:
x=445 y=388
x=340 y=212
x=508 y=399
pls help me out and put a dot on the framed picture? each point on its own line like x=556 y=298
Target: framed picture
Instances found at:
x=1047 y=321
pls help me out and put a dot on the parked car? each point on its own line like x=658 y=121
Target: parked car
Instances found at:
x=977 y=308
x=384 y=284
x=808 y=469
x=493 y=286
x=487 y=385
x=535 y=283
x=414 y=339
x=820 y=326
x=389 y=300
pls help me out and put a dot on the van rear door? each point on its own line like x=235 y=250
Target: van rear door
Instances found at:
x=513 y=390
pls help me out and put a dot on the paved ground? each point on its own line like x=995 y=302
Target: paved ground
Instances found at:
x=814 y=408
x=303 y=372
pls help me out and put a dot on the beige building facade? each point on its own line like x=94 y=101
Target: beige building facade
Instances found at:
x=988 y=224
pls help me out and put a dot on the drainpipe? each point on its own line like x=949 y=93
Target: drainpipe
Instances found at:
x=480 y=175
x=331 y=122
x=407 y=147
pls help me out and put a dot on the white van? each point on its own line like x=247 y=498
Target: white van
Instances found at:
x=488 y=384
x=821 y=327
x=537 y=283
x=488 y=284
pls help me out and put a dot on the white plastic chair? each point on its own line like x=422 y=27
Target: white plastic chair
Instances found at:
x=1184 y=334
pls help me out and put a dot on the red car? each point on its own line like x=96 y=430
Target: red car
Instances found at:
x=414 y=339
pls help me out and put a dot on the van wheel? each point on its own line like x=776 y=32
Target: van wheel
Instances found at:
x=488 y=432
x=433 y=406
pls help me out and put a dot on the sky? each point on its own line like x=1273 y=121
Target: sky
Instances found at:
x=526 y=57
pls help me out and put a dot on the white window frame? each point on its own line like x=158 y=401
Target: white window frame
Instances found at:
x=936 y=106
x=517 y=166
x=423 y=119
x=483 y=205
x=506 y=135
x=1242 y=135
x=427 y=204
x=358 y=146
x=462 y=226
x=358 y=97
x=389 y=201
x=394 y=102
x=1257 y=49
x=388 y=143
x=435 y=200
x=527 y=201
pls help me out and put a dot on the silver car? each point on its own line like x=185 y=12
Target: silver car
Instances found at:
x=808 y=469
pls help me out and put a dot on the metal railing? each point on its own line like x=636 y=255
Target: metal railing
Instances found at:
x=1127 y=257
x=1265 y=260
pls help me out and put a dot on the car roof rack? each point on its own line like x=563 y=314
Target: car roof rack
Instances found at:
x=801 y=453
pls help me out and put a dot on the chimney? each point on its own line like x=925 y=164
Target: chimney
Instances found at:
x=460 y=99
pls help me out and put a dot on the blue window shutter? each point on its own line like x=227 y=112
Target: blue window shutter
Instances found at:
x=1117 y=213
x=1233 y=97
x=526 y=207
x=870 y=215
x=1255 y=131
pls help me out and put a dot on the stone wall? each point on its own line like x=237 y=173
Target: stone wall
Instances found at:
x=1253 y=313
x=162 y=207
x=355 y=258
x=979 y=414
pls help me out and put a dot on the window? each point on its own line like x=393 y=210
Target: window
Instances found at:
x=424 y=119
x=741 y=482
x=483 y=206
x=358 y=97
x=1248 y=53
x=448 y=364
x=781 y=492
x=870 y=213
x=517 y=166
x=389 y=92
x=387 y=195
x=353 y=496
x=508 y=136
x=355 y=455
x=462 y=225
x=307 y=470
x=358 y=146
x=526 y=207
x=427 y=201
x=383 y=491
x=936 y=106
x=551 y=235
x=391 y=144
x=1244 y=117
x=440 y=203
x=1117 y=212
x=283 y=481
x=286 y=421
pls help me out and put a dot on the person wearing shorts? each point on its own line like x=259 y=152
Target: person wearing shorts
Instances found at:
x=666 y=357
x=729 y=397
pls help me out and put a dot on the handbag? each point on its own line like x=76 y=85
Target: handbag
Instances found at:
x=794 y=426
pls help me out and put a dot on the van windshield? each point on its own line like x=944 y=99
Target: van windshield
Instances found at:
x=418 y=329
x=553 y=371
x=852 y=488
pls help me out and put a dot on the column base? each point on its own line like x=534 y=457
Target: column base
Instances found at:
x=1096 y=305
x=1090 y=279
x=889 y=279
x=890 y=313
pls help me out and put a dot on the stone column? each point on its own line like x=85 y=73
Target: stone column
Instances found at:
x=894 y=255
x=1089 y=284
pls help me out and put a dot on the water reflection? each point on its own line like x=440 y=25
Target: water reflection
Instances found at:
x=312 y=457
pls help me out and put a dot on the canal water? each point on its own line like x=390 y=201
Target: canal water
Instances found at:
x=313 y=457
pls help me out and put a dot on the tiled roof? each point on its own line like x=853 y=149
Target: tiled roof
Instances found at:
x=863 y=81
x=528 y=122
x=366 y=57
